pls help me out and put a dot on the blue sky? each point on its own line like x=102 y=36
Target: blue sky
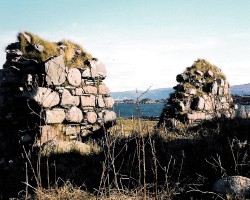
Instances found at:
x=142 y=43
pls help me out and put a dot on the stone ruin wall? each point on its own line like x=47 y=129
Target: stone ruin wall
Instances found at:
x=202 y=93
x=49 y=99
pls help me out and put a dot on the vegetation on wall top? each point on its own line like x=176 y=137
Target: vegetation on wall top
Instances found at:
x=33 y=47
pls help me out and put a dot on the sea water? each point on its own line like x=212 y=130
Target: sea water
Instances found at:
x=133 y=110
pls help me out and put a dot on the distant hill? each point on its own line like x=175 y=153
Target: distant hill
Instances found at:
x=163 y=93
x=155 y=94
x=241 y=89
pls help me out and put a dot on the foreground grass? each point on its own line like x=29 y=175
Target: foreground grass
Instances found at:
x=146 y=163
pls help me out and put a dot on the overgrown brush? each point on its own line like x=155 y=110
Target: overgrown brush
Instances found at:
x=150 y=163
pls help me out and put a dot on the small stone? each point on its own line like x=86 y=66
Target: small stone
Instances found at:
x=109 y=116
x=86 y=90
x=69 y=130
x=88 y=101
x=91 y=117
x=74 y=114
x=103 y=90
x=109 y=102
x=96 y=69
x=100 y=101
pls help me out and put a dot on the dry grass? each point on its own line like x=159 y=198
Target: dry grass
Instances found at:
x=71 y=58
x=61 y=147
x=127 y=127
x=66 y=192
x=50 y=48
x=74 y=54
x=203 y=66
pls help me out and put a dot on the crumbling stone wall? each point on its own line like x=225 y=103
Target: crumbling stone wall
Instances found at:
x=51 y=91
x=202 y=93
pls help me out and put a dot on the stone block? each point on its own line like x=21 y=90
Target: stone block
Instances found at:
x=55 y=71
x=88 y=101
x=86 y=90
x=96 y=70
x=91 y=117
x=74 y=114
x=45 y=97
x=109 y=102
x=74 y=77
x=68 y=100
x=54 y=116
x=103 y=90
